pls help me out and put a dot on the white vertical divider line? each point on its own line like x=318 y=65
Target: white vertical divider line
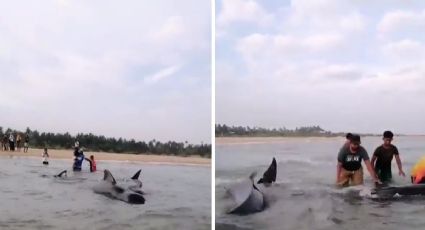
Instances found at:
x=213 y=114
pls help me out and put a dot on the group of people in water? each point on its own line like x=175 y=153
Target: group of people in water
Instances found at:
x=79 y=158
x=78 y=155
x=351 y=154
x=11 y=141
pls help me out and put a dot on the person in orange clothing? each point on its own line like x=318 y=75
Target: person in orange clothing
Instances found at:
x=418 y=172
x=92 y=163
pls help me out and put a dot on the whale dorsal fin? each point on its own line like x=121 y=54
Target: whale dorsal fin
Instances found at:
x=269 y=175
x=108 y=177
x=136 y=176
x=61 y=173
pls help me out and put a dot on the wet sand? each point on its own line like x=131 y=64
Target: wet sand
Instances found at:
x=146 y=158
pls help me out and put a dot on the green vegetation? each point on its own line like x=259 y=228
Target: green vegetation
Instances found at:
x=241 y=131
x=92 y=142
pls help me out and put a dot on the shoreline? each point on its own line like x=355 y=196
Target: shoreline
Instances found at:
x=263 y=140
x=260 y=140
x=117 y=157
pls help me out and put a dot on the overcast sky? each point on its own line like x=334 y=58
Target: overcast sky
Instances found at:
x=344 y=65
x=134 y=69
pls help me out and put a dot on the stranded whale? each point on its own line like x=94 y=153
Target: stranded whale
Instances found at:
x=109 y=187
x=247 y=197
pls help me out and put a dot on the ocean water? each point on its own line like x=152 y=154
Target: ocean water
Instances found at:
x=178 y=197
x=305 y=197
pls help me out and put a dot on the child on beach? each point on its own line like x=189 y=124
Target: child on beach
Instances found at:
x=92 y=163
x=45 y=157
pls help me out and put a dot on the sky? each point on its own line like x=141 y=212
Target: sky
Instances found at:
x=354 y=65
x=132 y=69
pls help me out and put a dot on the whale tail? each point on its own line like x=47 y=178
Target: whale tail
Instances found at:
x=107 y=176
x=136 y=176
x=269 y=175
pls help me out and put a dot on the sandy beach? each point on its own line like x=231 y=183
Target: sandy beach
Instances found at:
x=146 y=158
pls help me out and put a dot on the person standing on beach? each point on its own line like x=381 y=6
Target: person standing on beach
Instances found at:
x=383 y=157
x=11 y=142
x=45 y=157
x=349 y=167
x=18 y=141
x=2 y=144
x=26 y=143
x=5 y=142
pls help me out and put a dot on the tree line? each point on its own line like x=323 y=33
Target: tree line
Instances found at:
x=242 y=131
x=95 y=143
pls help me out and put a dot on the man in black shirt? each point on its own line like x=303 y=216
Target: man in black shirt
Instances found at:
x=349 y=167
x=383 y=157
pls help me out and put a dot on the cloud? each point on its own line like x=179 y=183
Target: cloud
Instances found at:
x=83 y=66
x=329 y=15
x=338 y=64
x=268 y=51
x=248 y=11
x=323 y=41
x=162 y=74
x=173 y=27
x=353 y=22
x=262 y=43
x=405 y=50
x=339 y=72
x=402 y=21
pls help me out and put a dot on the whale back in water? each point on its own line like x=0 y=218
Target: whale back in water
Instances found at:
x=248 y=198
x=409 y=190
x=61 y=174
x=110 y=188
x=269 y=175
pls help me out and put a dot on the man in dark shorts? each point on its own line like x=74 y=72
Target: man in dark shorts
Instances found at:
x=349 y=167
x=383 y=156
x=26 y=143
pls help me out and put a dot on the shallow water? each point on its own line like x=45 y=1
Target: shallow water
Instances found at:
x=179 y=197
x=305 y=197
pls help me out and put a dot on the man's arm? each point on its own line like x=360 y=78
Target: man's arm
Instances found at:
x=338 y=170
x=373 y=161
x=400 y=169
x=371 y=171
x=340 y=159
